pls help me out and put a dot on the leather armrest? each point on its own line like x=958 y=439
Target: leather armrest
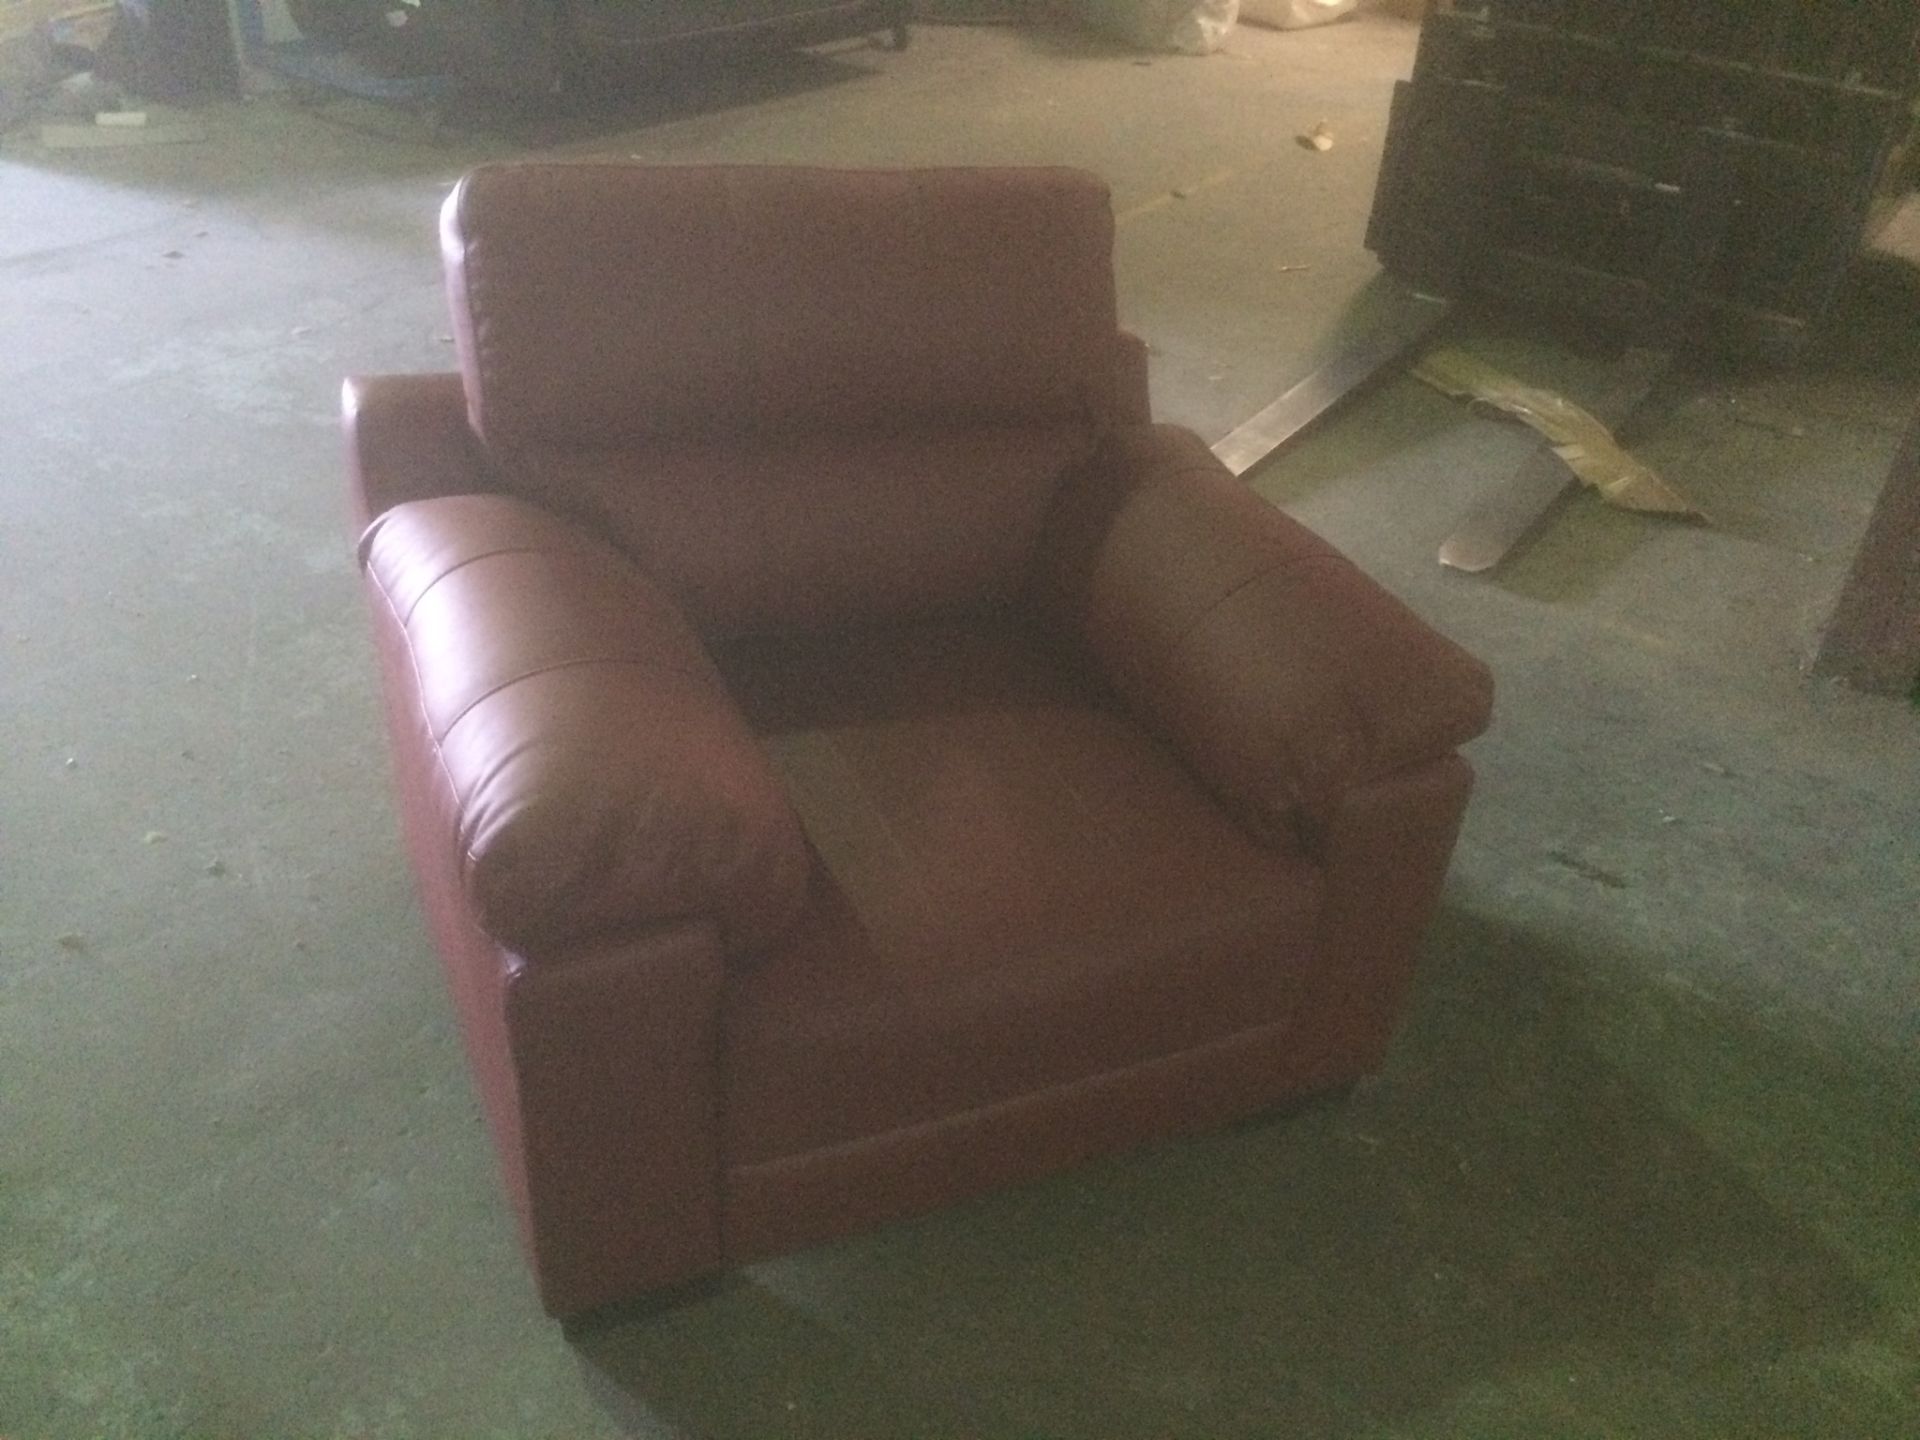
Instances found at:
x=408 y=439
x=598 y=777
x=1283 y=675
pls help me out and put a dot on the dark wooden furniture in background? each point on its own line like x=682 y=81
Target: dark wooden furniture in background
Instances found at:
x=1703 y=173
x=1873 y=640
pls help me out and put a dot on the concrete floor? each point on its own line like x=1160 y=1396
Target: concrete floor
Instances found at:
x=1646 y=1159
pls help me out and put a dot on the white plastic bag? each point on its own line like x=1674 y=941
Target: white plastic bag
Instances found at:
x=1193 y=27
x=1202 y=26
x=1295 y=14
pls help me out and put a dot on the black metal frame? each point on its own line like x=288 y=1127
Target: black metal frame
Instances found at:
x=540 y=48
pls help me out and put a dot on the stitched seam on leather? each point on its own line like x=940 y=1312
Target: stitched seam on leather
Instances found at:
x=1064 y=488
x=750 y=362
x=1184 y=472
x=559 y=665
x=460 y=839
x=1012 y=1102
x=470 y=283
x=1254 y=579
x=911 y=875
x=1358 y=720
x=924 y=257
x=473 y=559
x=1099 y=401
x=1034 y=569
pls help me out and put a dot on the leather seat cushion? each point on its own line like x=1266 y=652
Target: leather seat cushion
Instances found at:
x=1015 y=887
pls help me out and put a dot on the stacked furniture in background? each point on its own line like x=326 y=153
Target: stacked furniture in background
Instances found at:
x=1700 y=172
x=538 y=47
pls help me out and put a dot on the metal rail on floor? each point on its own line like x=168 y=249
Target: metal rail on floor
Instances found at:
x=1388 y=323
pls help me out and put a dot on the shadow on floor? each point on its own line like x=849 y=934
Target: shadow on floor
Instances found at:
x=426 y=135
x=1509 y=1233
x=660 y=89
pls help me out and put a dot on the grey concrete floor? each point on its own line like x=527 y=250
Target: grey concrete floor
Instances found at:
x=1645 y=1161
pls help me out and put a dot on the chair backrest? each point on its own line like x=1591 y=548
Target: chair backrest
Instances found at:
x=799 y=396
x=596 y=304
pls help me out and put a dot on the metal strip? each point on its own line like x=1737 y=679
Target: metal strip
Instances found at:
x=1387 y=322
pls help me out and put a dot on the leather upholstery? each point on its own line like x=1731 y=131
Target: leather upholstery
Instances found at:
x=1282 y=674
x=1131 y=403
x=407 y=439
x=612 y=1197
x=851 y=760
x=600 y=776
x=597 y=304
x=753 y=536
x=825 y=396
x=1008 y=869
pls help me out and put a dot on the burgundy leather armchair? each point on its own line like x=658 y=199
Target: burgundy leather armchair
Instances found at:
x=850 y=757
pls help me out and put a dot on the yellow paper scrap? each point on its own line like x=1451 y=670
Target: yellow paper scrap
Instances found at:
x=1576 y=435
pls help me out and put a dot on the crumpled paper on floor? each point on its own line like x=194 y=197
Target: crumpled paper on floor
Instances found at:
x=1577 y=436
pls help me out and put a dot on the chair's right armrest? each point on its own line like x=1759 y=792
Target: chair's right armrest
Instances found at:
x=408 y=439
x=593 y=775
x=1282 y=675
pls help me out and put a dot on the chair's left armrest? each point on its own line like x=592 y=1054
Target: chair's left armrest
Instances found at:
x=596 y=779
x=1282 y=675
x=408 y=439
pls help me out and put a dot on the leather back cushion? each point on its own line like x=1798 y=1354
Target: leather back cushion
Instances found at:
x=599 y=304
x=757 y=536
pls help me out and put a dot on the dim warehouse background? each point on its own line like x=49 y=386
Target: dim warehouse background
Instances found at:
x=1645 y=1160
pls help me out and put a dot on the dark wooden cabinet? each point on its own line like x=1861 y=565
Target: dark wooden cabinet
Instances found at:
x=1702 y=172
